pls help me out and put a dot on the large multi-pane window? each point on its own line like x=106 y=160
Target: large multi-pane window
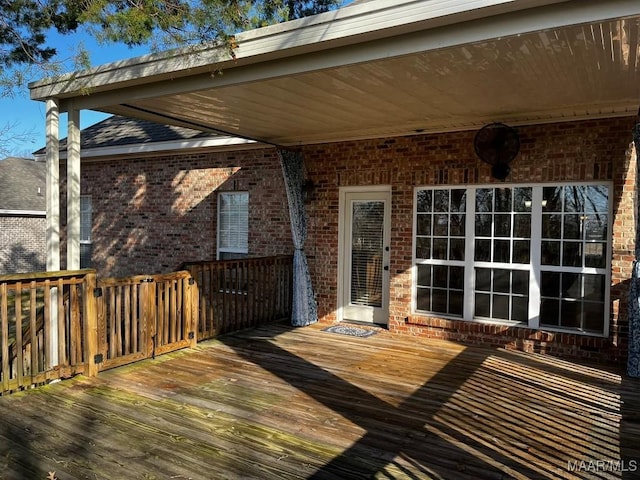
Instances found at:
x=574 y=246
x=535 y=255
x=440 y=237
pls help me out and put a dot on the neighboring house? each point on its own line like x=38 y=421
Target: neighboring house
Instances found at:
x=22 y=215
x=154 y=196
x=407 y=227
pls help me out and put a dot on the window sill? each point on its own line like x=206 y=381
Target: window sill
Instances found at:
x=445 y=322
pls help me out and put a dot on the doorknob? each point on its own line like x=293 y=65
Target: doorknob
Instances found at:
x=386 y=267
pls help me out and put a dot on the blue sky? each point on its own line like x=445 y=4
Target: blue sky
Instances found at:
x=27 y=117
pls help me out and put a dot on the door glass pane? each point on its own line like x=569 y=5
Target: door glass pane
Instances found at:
x=367 y=228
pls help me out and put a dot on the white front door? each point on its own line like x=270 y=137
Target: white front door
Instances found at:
x=364 y=277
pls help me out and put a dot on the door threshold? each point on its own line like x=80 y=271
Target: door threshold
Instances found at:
x=383 y=326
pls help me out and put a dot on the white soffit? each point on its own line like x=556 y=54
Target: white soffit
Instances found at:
x=385 y=68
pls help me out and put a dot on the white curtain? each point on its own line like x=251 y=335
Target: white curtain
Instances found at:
x=304 y=310
x=633 y=362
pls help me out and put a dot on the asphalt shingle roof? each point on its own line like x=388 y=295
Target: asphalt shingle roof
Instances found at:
x=118 y=131
x=22 y=184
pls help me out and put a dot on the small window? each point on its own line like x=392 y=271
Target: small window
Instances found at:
x=86 y=246
x=233 y=225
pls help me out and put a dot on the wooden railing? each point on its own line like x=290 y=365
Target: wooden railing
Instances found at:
x=46 y=327
x=58 y=324
x=143 y=316
x=238 y=294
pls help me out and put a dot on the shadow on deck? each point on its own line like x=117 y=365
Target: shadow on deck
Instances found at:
x=276 y=403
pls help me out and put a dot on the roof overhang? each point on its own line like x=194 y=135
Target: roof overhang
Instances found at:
x=215 y=143
x=384 y=68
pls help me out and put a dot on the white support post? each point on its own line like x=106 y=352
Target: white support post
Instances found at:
x=53 y=218
x=53 y=185
x=73 y=190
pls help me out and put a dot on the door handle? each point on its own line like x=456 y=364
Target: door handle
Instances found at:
x=386 y=267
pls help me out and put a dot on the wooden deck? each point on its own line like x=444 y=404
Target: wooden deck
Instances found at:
x=282 y=403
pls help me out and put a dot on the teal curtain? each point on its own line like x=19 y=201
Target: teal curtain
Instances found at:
x=304 y=310
x=633 y=362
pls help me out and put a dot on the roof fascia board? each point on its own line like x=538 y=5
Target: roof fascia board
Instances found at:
x=346 y=26
x=23 y=213
x=221 y=144
x=513 y=24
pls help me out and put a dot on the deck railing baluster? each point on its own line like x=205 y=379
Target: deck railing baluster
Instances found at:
x=106 y=323
x=241 y=293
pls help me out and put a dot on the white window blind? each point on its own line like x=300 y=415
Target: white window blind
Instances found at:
x=367 y=233
x=233 y=222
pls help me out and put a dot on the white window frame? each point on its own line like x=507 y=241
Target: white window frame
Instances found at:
x=242 y=249
x=534 y=264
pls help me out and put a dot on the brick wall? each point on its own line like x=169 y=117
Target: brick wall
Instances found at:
x=22 y=244
x=152 y=214
x=589 y=150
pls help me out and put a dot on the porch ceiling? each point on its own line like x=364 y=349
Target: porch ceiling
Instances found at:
x=519 y=62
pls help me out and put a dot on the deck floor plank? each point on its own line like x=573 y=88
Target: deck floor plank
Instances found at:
x=280 y=403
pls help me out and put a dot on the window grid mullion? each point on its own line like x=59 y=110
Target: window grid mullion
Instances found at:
x=469 y=277
x=535 y=257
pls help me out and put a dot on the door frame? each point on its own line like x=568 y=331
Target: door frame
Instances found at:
x=342 y=261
